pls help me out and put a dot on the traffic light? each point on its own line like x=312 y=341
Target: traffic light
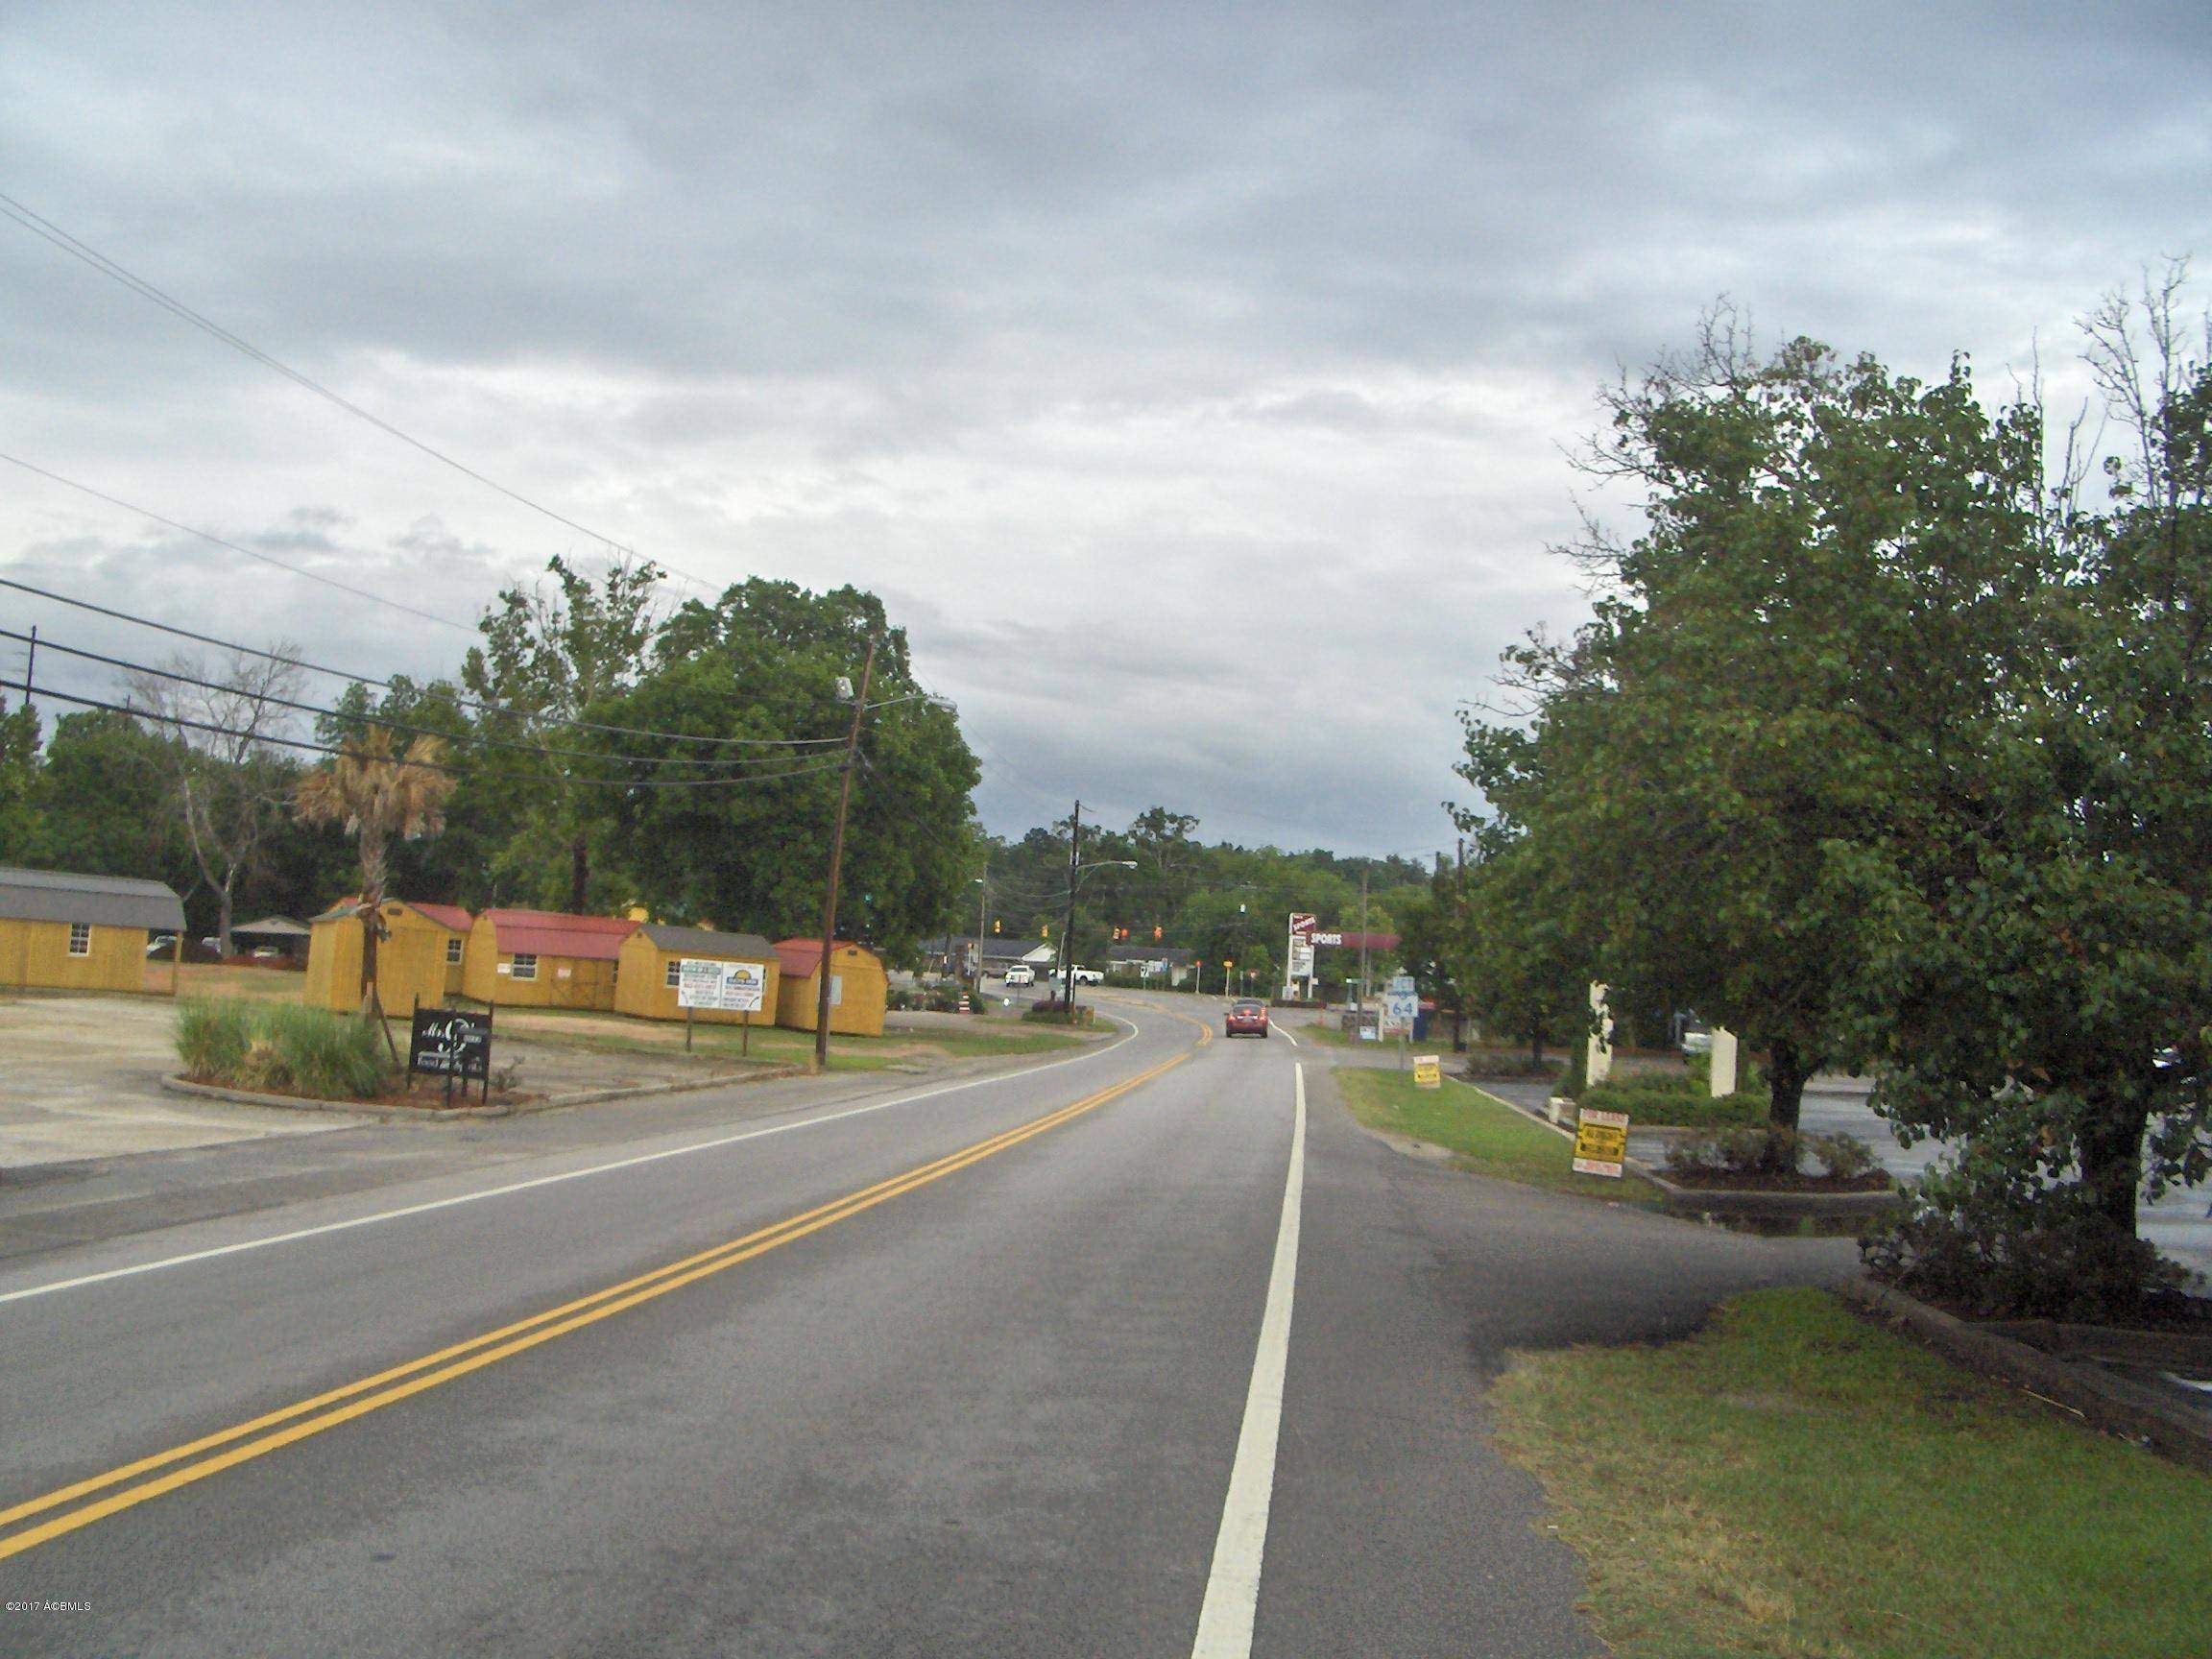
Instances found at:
x=1155 y=935
x=993 y=930
x=1044 y=929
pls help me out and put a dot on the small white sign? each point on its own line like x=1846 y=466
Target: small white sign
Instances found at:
x=1400 y=1009
x=731 y=987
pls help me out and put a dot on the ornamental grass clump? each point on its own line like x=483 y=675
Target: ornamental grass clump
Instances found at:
x=281 y=1048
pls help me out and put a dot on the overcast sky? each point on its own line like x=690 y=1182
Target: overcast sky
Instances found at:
x=1191 y=381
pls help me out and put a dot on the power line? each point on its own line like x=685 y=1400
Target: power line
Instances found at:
x=48 y=231
x=459 y=701
x=234 y=547
x=463 y=738
x=811 y=767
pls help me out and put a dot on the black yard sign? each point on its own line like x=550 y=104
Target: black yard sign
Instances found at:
x=451 y=1042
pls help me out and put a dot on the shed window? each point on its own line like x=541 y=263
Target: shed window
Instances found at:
x=675 y=976
x=80 y=938
x=525 y=965
x=452 y=952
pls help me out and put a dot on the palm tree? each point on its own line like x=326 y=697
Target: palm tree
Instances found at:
x=379 y=797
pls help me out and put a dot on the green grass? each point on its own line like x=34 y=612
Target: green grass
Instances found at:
x=1795 y=1481
x=1485 y=1135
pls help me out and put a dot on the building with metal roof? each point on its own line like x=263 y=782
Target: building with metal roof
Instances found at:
x=544 y=958
x=78 y=932
x=651 y=964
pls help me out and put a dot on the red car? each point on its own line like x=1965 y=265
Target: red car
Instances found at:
x=1247 y=1018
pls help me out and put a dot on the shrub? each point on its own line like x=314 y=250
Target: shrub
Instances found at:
x=281 y=1048
x=1746 y=1149
x=1666 y=1102
x=1842 y=1157
x=2001 y=1245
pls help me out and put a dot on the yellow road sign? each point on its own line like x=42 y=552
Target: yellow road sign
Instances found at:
x=1427 y=1072
x=1600 y=1142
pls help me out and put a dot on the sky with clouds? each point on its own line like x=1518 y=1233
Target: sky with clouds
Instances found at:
x=1193 y=382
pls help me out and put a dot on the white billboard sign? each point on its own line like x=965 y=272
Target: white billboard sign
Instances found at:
x=730 y=986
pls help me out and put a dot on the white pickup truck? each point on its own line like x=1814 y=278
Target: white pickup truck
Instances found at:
x=1089 y=975
x=1021 y=974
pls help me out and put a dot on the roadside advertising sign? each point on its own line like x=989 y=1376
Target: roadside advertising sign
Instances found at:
x=732 y=987
x=1302 y=926
x=1301 y=958
x=1600 y=1142
x=1400 y=1009
x=1427 y=1072
x=451 y=1042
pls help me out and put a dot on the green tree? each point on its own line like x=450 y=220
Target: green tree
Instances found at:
x=1781 y=667
x=2038 y=934
x=745 y=840
x=549 y=658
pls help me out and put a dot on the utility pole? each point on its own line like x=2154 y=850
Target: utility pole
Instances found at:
x=1068 y=934
x=836 y=861
x=1362 y=939
x=982 y=906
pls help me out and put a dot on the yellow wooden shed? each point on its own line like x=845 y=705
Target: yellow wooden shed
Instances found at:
x=544 y=958
x=418 y=960
x=859 y=988
x=85 y=932
x=651 y=959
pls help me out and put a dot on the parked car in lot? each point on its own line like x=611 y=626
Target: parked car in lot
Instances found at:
x=1247 y=1017
x=1021 y=974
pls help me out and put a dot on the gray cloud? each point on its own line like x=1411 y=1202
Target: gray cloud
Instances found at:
x=1191 y=379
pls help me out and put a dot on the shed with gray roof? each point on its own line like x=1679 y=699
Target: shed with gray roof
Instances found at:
x=78 y=932
x=648 y=964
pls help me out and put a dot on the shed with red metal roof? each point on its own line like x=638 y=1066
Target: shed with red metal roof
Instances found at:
x=544 y=958
x=858 y=987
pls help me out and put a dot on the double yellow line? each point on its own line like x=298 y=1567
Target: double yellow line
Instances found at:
x=212 y=1454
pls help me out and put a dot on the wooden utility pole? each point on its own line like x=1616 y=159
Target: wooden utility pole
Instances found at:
x=1068 y=934
x=836 y=861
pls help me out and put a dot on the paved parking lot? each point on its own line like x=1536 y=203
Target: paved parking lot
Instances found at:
x=82 y=1079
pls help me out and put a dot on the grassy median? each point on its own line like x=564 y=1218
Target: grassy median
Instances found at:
x=1484 y=1135
x=1797 y=1481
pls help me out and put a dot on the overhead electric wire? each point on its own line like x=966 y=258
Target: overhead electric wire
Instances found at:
x=234 y=547
x=459 y=701
x=810 y=768
x=462 y=738
x=48 y=231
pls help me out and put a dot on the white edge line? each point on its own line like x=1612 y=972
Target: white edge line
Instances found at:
x=513 y=1186
x=1287 y=1037
x=1225 y=1620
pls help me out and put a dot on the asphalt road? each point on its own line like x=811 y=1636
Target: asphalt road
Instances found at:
x=1130 y=1355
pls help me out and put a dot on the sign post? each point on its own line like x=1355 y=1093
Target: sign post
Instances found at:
x=1298 y=960
x=734 y=987
x=1401 y=1008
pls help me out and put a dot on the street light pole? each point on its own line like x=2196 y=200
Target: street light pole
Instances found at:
x=836 y=863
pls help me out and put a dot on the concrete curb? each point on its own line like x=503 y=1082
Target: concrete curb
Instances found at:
x=2117 y=1405
x=459 y=1114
